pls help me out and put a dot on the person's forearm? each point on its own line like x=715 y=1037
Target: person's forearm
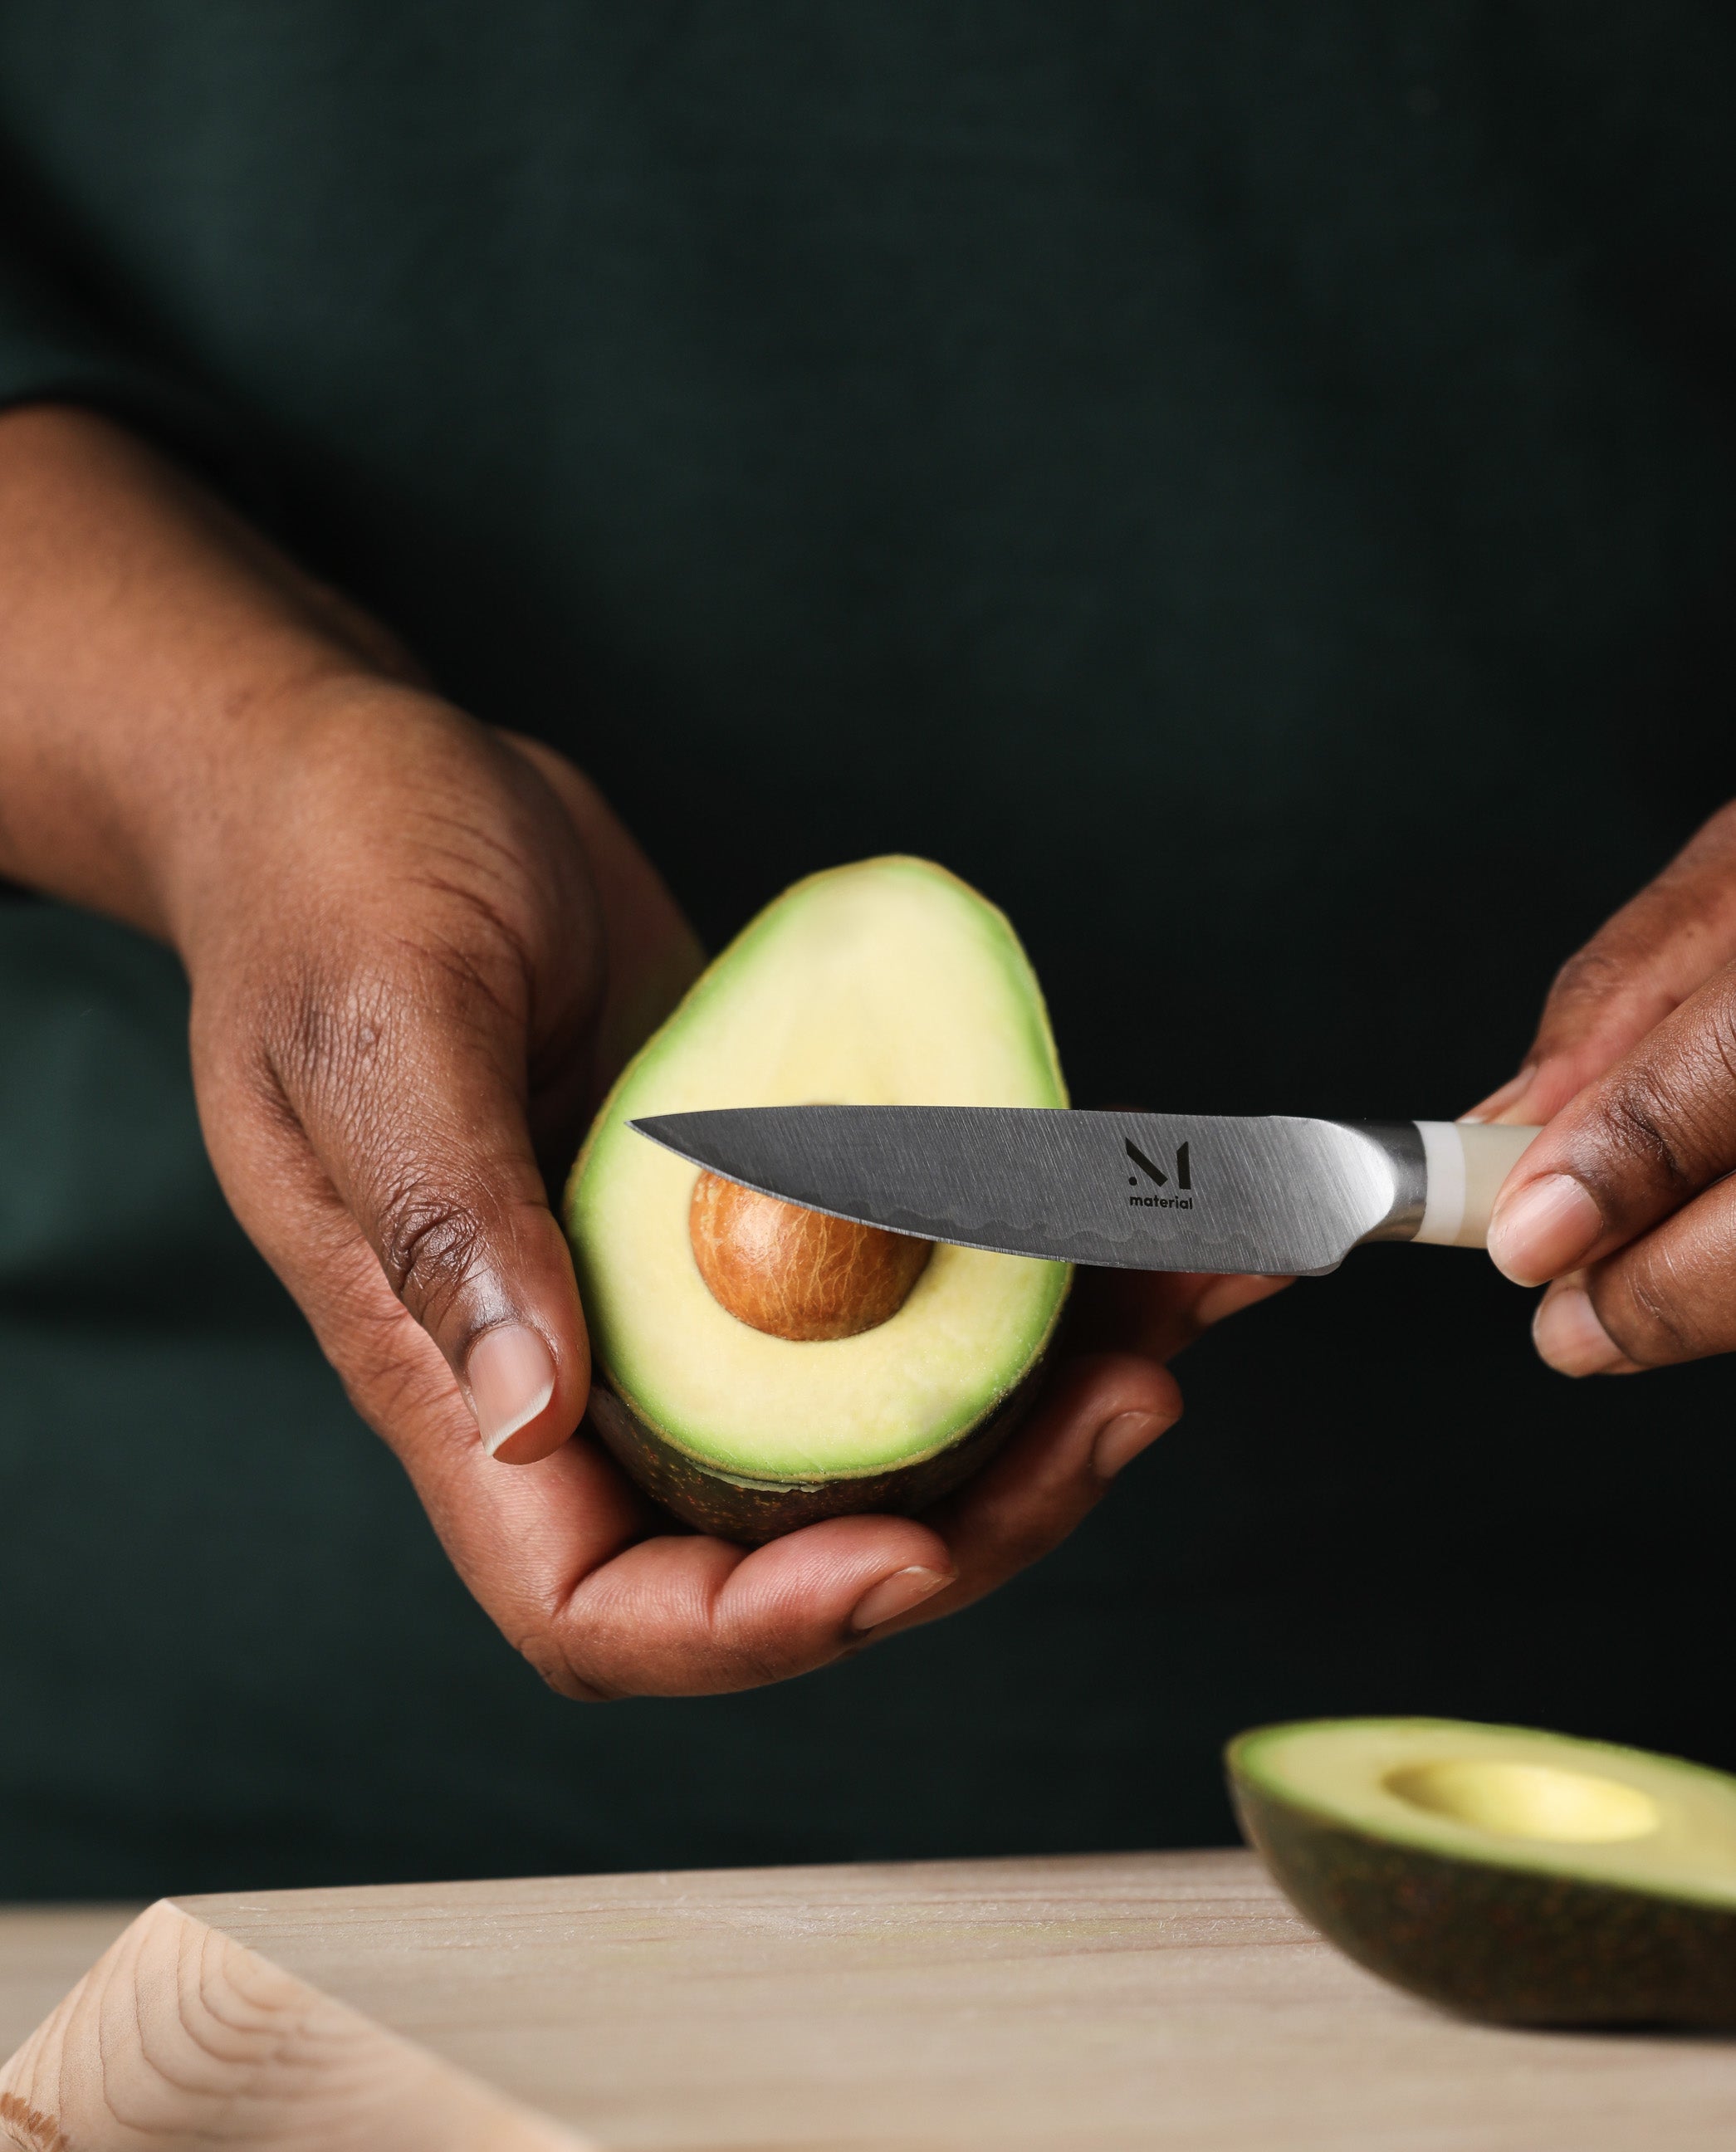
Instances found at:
x=145 y=634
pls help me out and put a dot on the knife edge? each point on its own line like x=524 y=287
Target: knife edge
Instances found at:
x=1272 y=1195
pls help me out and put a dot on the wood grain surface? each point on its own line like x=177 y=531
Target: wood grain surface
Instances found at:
x=1165 y=2000
x=182 y=2036
x=43 y=1950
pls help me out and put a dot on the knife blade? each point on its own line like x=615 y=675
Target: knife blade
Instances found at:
x=1270 y=1195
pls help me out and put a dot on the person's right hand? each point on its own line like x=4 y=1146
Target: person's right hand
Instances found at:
x=1624 y=1206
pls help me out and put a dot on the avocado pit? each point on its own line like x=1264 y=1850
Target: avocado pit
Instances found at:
x=798 y=1274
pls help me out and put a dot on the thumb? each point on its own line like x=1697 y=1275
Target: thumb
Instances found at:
x=406 y=1132
x=1648 y=960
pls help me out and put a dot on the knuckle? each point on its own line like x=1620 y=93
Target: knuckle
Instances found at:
x=1638 y=1122
x=1718 y=1046
x=566 y=1681
x=757 y=1665
x=325 y=1034
x=464 y=972
x=1645 y=1317
x=1592 y=974
x=754 y=1657
x=338 y=1048
x=431 y=1247
x=557 y=1670
x=1672 y=1111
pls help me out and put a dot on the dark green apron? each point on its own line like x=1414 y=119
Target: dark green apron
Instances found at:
x=1247 y=486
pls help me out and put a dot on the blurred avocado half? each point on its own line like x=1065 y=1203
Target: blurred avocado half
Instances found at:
x=1521 y=1877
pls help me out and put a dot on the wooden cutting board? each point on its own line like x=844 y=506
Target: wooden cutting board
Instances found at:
x=1162 y=1999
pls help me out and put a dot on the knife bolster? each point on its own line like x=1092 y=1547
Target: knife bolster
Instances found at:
x=1466 y=1164
x=1400 y=1146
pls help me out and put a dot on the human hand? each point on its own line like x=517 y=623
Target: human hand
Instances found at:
x=400 y=974
x=1622 y=1204
x=418 y=948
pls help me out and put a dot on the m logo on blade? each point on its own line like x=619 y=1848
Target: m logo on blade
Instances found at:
x=1155 y=1173
x=1159 y=1178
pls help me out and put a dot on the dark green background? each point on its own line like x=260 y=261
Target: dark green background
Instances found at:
x=1247 y=486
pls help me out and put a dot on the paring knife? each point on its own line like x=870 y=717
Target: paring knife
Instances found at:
x=1273 y=1195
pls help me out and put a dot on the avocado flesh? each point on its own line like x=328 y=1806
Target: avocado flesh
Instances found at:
x=1523 y=1877
x=888 y=982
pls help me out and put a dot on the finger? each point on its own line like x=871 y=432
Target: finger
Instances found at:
x=398 y=1102
x=1650 y=957
x=1630 y=1148
x=687 y=1616
x=561 y=1552
x=1663 y=1299
x=1225 y=1296
x=1569 y=1336
x=566 y=1557
x=1097 y=1414
x=434 y=1161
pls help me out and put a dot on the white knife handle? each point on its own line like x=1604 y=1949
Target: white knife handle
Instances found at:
x=1466 y=1162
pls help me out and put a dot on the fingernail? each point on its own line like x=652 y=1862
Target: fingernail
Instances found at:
x=1544 y=1230
x=1122 y=1440
x=1568 y=1335
x=511 y=1374
x=895 y=1594
x=1510 y=1094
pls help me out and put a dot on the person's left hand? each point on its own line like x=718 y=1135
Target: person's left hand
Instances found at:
x=1622 y=1204
x=417 y=949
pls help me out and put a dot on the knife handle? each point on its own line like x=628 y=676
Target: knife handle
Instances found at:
x=1466 y=1163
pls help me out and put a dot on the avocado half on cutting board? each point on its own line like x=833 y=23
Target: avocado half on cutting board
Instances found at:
x=1524 y=1877
x=759 y=1366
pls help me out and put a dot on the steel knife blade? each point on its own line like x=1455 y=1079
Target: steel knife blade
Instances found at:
x=1270 y=1195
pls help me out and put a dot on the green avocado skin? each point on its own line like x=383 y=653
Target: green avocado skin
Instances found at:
x=1501 y=1944
x=752 y=1511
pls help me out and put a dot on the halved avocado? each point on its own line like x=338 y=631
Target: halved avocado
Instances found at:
x=891 y=982
x=1523 y=1877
